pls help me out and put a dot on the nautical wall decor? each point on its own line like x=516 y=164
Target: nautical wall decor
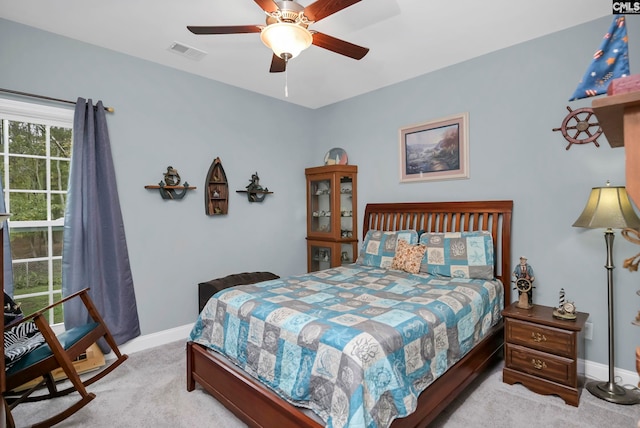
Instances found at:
x=255 y=192
x=170 y=188
x=216 y=198
x=580 y=126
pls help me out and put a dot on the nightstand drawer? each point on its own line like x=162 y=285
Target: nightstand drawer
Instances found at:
x=542 y=338
x=541 y=364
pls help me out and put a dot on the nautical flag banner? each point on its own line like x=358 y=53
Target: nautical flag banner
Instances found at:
x=609 y=62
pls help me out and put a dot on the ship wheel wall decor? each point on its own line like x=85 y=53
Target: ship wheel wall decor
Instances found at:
x=579 y=122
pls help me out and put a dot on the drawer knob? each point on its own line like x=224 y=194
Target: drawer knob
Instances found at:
x=537 y=337
x=538 y=364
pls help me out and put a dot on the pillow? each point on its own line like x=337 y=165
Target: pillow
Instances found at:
x=408 y=257
x=379 y=247
x=458 y=254
x=19 y=340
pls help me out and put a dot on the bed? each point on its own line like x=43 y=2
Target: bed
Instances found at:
x=259 y=406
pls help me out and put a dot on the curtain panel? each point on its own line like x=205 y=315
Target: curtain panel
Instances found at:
x=95 y=251
x=6 y=245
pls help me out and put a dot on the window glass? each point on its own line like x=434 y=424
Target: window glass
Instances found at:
x=27 y=173
x=35 y=158
x=27 y=138
x=26 y=206
x=29 y=243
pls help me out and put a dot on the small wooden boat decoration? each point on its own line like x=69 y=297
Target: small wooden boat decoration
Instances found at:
x=216 y=198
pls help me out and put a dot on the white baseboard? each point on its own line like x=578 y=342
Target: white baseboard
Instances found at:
x=597 y=371
x=593 y=370
x=152 y=340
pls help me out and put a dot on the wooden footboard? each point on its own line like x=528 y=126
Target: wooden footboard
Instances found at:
x=447 y=387
x=258 y=406
x=248 y=399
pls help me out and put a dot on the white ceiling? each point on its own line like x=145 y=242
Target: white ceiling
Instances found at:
x=406 y=38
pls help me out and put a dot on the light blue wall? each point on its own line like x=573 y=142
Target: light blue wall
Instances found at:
x=514 y=97
x=167 y=117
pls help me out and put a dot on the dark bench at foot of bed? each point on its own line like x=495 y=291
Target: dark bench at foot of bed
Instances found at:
x=209 y=288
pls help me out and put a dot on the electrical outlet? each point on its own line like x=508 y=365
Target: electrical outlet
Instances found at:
x=588 y=330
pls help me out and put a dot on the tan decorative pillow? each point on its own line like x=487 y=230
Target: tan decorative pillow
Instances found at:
x=408 y=257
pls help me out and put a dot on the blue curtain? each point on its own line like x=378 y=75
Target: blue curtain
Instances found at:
x=95 y=251
x=6 y=243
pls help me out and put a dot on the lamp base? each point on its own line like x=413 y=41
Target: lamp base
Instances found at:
x=613 y=393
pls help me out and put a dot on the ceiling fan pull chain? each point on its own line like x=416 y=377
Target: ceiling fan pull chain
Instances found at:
x=286 y=79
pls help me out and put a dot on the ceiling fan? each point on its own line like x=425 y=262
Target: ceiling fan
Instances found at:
x=286 y=31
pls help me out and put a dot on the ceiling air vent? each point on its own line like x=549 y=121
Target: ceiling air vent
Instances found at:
x=187 y=51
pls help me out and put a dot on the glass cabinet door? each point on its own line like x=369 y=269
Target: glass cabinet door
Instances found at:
x=320 y=256
x=327 y=254
x=321 y=206
x=348 y=252
x=347 y=216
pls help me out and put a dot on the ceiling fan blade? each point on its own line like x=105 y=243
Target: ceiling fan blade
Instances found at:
x=339 y=46
x=323 y=8
x=225 y=29
x=278 y=65
x=267 y=5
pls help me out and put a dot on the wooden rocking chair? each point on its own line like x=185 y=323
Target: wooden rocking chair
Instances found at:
x=58 y=352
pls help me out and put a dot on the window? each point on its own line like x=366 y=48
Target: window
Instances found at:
x=35 y=157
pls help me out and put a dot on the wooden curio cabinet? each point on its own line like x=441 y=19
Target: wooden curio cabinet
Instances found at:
x=332 y=227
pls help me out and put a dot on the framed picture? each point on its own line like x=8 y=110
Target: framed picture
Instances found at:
x=435 y=150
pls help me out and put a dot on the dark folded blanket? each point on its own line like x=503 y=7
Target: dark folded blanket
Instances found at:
x=209 y=288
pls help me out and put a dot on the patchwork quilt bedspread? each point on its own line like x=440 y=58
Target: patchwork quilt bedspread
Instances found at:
x=355 y=344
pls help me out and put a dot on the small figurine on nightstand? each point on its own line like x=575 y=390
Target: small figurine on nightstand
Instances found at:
x=523 y=277
x=565 y=310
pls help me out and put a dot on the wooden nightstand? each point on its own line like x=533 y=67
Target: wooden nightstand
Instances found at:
x=544 y=353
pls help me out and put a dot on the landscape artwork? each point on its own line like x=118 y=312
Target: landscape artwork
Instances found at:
x=435 y=150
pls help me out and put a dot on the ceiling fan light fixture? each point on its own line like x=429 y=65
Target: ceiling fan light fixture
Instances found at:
x=285 y=38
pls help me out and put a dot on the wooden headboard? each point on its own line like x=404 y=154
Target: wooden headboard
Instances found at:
x=494 y=216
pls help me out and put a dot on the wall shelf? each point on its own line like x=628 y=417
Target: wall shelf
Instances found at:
x=255 y=195
x=171 y=192
x=216 y=198
x=613 y=112
x=254 y=191
x=619 y=117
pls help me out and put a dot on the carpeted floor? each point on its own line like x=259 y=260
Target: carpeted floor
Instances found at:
x=149 y=390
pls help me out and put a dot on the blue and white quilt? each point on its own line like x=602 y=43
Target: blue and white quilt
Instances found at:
x=355 y=344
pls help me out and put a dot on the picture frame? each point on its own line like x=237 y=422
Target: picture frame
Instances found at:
x=435 y=150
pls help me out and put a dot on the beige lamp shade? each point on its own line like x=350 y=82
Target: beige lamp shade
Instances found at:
x=608 y=207
x=286 y=39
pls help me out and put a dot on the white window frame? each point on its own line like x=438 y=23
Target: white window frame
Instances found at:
x=14 y=110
